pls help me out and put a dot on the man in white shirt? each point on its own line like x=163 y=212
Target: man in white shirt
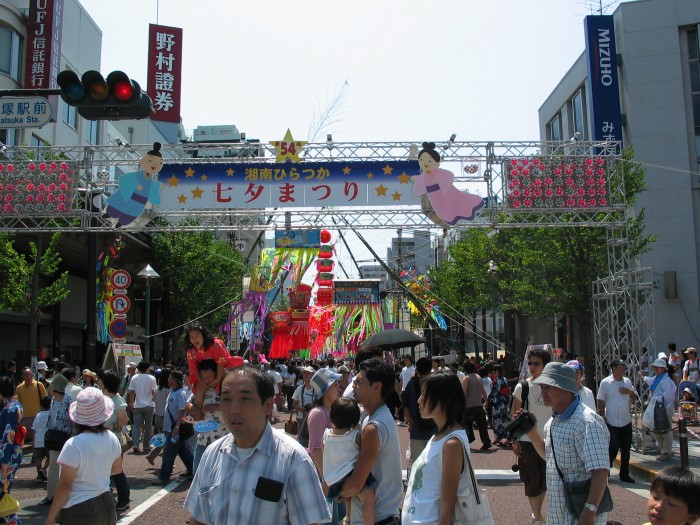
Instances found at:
x=277 y=378
x=691 y=369
x=614 y=397
x=142 y=397
x=407 y=372
x=72 y=388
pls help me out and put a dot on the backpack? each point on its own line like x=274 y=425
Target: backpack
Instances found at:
x=525 y=394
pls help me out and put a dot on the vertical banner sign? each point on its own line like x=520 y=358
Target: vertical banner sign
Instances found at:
x=164 y=71
x=43 y=49
x=603 y=89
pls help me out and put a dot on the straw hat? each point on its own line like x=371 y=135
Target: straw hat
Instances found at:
x=91 y=408
x=88 y=372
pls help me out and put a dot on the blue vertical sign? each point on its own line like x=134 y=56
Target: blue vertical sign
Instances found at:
x=603 y=88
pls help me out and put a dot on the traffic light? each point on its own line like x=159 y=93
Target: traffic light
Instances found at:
x=116 y=98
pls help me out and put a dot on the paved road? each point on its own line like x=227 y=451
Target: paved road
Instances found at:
x=160 y=506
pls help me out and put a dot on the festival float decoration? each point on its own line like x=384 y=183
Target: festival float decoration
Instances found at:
x=321 y=315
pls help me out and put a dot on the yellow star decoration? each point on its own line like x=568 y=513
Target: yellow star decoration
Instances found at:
x=404 y=179
x=381 y=190
x=197 y=193
x=370 y=175
x=346 y=171
x=172 y=181
x=230 y=172
x=189 y=172
x=387 y=170
x=288 y=148
x=204 y=177
x=182 y=199
x=396 y=196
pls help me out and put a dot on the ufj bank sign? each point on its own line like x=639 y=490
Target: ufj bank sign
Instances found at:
x=602 y=84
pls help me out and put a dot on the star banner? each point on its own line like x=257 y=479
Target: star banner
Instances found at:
x=309 y=184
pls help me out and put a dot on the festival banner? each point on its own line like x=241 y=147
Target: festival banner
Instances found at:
x=311 y=184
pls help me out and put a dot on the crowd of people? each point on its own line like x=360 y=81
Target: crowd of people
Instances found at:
x=344 y=463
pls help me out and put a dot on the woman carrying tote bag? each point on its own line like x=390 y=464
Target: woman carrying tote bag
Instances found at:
x=442 y=487
x=662 y=389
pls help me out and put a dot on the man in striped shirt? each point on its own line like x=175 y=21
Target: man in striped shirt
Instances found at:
x=259 y=476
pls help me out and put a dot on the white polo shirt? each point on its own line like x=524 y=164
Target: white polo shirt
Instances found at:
x=143 y=386
x=617 y=405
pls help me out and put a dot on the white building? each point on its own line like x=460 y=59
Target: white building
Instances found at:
x=659 y=75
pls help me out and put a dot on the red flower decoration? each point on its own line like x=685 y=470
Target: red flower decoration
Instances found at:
x=557 y=171
x=30 y=198
x=515 y=173
x=10 y=187
x=537 y=182
x=53 y=166
x=40 y=197
x=526 y=193
x=52 y=198
x=548 y=181
x=538 y=193
x=32 y=166
x=8 y=208
x=42 y=187
x=560 y=192
x=548 y=192
x=30 y=187
x=589 y=161
x=61 y=207
x=52 y=187
x=8 y=198
x=62 y=197
x=513 y=162
x=600 y=161
x=602 y=202
x=527 y=202
x=10 y=167
x=63 y=186
x=42 y=166
x=526 y=172
x=601 y=191
x=64 y=166
x=592 y=202
x=601 y=181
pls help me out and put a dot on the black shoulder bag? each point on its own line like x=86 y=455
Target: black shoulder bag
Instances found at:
x=576 y=492
x=185 y=430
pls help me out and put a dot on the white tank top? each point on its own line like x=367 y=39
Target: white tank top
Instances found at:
x=422 y=501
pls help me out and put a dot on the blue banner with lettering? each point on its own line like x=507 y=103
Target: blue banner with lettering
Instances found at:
x=603 y=87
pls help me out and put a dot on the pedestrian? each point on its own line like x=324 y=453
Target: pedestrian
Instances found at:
x=673 y=497
x=109 y=381
x=443 y=471
x=407 y=373
x=254 y=475
x=209 y=410
x=30 y=393
x=575 y=447
x=203 y=345
x=615 y=394
x=142 y=395
x=126 y=379
x=662 y=388
x=89 y=378
x=499 y=406
x=691 y=368
x=72 y=388
x=527 y=395
x=10 y=438
x=380 y=452
x=40 y=455
x=344 y=380
x=175 y=445
x=58 y=432
x=475 y=396
x=420 y=429
x=304 y=397
x=161 y=399
x=87 y=461
x=585 y=393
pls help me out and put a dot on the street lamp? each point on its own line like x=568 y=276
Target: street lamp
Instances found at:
x=149 y=274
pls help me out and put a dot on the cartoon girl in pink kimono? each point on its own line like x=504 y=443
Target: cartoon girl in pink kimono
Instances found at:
x=449 y=203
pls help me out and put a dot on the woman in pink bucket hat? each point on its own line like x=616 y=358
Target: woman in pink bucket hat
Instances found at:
x=87 y=460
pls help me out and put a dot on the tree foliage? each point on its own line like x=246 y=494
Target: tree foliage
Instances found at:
x=199 y=274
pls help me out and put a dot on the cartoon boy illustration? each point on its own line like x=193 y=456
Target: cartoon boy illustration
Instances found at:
x=137 y=189
x=448 y=202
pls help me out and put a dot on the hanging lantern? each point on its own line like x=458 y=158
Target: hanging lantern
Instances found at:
x=325 y=236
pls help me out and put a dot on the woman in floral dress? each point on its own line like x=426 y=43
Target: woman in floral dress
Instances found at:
x=499 y=401
x=10 y=452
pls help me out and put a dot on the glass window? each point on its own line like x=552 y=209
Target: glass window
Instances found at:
x=70 y=115
x=10 y=56
x=693 y=48
x=91 y=130
x=555 y=129
x=577 y=114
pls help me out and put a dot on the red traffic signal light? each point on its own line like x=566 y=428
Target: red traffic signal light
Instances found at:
x=115 y=98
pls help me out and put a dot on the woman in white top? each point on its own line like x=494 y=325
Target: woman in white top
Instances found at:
x=441 y=472
x=87 y=460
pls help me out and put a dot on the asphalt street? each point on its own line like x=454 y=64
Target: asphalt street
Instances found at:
x=158 y=506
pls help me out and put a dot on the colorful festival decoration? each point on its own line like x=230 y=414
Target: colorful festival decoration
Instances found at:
x=282 y=321
x=288 y=149
x=36 y=188
x=299 y=298
x=253 y=306
x=137 y=189
x=449 y=203
x=557 y=182
x=107 y=263
x=358 y=313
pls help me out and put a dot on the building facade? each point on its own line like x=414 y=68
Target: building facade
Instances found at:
x=658 y=52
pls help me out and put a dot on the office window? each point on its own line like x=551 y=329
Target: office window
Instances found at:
x=10 y=56
x=577 y=112
x=555 y=129
x=91 y=130
x=70 y=115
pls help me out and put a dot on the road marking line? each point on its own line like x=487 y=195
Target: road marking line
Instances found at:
x=490 y=474
x=137 y=511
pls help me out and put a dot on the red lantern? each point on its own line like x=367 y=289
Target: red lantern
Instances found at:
x=325 y=236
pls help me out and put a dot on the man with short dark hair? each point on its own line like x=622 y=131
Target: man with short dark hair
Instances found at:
x=255 y=474
x=29 y=393
x=73 y=388
x=142 y=396
x=380 y=452
x=419 y=430
x=614 y=396
x=475 y=396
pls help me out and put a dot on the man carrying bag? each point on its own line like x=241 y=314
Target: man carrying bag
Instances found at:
x=662 y=395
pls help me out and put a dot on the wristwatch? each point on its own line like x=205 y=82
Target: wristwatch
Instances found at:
x=591 y=507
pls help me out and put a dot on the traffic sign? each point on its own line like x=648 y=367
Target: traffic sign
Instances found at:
x=121 y=279
x=24 y=112
x=117 y=328
x=120 y=304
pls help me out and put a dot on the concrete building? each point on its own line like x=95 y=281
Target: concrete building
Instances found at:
x=659 y=76
x=375 y=271
x=413 y=251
